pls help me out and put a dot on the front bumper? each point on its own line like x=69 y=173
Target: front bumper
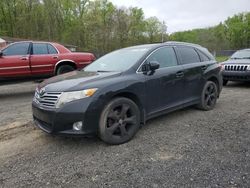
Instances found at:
x=236 y=75
x=60 y=121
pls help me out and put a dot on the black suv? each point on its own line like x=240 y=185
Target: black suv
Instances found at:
x=117 y=93
x=237 y=68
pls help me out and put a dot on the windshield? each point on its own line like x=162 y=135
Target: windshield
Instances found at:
x=120 y=60
x=243 y=54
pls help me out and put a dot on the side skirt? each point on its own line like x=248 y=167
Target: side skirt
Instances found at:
x=171 y=109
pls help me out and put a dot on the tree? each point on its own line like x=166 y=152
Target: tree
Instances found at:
x=153 y=29
x=100 y=27
x=234 y=33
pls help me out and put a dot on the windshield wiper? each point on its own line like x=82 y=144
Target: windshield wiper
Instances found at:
x=236 y=58
x=102 y=71
x=240 y=58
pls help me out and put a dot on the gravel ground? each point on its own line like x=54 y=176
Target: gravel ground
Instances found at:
x=15 y=102
x=187 y=148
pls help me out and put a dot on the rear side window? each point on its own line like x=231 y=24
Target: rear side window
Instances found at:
x=17 y=49
x=39 y=48
x=203 y=56
x=164 y=56
x=188 y=55
x=52 y=49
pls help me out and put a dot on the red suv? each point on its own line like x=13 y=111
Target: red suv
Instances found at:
x=40 y=58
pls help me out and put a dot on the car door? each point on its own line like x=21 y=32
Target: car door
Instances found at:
x=43 y=58
x=15 y=60
x=193 y=71
x=164 y=87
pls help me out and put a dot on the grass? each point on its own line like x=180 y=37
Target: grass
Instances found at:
x=221 y=58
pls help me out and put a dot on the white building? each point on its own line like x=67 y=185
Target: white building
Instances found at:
x=2 y=43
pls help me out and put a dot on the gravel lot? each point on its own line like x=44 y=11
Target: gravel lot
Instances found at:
x=15 y=100
x=187 y=148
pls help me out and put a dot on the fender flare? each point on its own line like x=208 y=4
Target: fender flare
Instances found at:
x=62 y=61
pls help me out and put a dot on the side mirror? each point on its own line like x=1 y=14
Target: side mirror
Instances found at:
x=145 y=68
x=153 y=65
x=1 y=53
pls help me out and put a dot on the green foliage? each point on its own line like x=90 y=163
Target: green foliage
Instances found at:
x=96 y=26
x=221 y=58
x=238 y=30
x=234 y=33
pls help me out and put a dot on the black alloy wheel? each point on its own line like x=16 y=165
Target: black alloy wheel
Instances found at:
x=209 y=96
x=119 y=122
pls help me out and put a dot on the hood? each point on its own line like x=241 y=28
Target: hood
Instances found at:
x=237 y=61
x=74 y=81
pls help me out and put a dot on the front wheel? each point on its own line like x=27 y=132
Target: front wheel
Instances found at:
x=209 y=96
x=119 y=121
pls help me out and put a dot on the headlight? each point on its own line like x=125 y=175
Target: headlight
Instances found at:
x=248 y=67
x=75 y=95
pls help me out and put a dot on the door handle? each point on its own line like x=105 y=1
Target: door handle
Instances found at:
x=55 y=57
x=179 y=74
x=204 y=67
x=24 y=58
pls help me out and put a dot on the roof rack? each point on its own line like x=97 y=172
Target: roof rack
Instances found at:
x=180 y=43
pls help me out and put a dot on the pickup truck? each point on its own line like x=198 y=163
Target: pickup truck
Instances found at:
x=29 y=58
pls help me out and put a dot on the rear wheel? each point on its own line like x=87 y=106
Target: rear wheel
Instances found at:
x=225 y=82
x=119 y=122
x=209 y=96
x=64 y=69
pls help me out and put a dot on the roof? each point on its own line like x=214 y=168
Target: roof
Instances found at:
x=183 y=43
x=144 y=46
x=176 y=43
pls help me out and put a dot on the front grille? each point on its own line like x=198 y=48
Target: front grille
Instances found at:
x=236 y=67
x=47 y=99
x=235 y=78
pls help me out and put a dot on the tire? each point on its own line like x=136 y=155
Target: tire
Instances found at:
x=225 y=82
x=64 y=69
x=209 y=96
x=119 y=121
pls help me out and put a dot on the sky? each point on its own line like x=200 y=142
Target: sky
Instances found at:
x=181 y=15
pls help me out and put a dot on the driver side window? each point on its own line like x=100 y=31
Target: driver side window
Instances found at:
x=17 y=49
x=165 y=56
